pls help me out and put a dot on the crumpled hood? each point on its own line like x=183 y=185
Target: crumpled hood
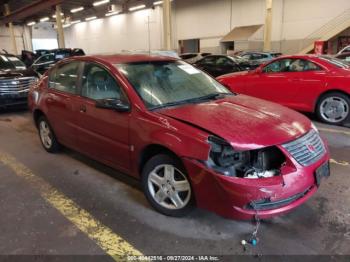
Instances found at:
x=245 y=122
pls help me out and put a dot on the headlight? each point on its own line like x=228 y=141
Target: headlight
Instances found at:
x=260 y=163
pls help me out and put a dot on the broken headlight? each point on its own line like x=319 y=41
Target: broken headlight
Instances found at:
x=265 y=162
x=223 y=158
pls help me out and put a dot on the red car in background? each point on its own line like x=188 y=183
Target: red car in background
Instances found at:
x=308 y=83
x=185 y=136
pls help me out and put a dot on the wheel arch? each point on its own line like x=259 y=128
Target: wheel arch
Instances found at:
x=152 y=150
x=37 y=113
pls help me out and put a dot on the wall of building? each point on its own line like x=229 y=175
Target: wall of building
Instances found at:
x=209 y=21
x=22 y=36
x=141 y=30
x=44 y=36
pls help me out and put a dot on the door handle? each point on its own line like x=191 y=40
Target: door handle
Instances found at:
x=82 y=109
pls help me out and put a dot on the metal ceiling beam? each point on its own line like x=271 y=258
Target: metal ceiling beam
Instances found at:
x=29 y=10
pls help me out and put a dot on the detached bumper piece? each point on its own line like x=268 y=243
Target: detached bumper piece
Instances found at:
x=266 y=204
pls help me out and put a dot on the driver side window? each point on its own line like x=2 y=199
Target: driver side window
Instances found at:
x=207 y=61
x=97 y=83
x=279 y=66
x=223 y=61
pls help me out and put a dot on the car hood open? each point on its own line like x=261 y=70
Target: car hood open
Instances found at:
x=245 y=122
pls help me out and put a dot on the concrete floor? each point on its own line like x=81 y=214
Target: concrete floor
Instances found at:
x=30 y=225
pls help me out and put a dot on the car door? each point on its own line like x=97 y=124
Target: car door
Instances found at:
x=309 y=81
x=274 y=82
x=104 y=133
x=60 y=102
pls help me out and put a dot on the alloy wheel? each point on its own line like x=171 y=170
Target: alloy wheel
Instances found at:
x=45 y=134
x=334 y=109
x=169 y=187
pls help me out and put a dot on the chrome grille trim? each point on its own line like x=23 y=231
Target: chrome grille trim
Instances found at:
x=300 y=148
x=16 y=85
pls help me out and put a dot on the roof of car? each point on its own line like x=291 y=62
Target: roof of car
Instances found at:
x=130 y=58
x=299 y=56
x=259 y=52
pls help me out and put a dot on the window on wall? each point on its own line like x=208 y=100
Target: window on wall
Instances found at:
x=42 y=43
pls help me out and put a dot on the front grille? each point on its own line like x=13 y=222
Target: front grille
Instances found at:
x=307 y=149
x=16 y=85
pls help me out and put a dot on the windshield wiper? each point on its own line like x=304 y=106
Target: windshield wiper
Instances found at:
x=194 y=100
x=212 y=96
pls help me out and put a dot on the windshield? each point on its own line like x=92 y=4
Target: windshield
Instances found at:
x=169 y=83
x=11 y=62
x=335 y=61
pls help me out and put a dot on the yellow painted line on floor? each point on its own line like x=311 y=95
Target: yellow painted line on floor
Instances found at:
x=341 y=163
x=110 y=242
x=331 y=130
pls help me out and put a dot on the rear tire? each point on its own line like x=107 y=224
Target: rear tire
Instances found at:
x=166 y=186
x=334 y=108
x=47 y=136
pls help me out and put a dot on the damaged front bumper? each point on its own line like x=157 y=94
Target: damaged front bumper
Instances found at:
x=242 y=198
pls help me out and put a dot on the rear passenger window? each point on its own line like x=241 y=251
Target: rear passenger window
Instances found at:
x=97 y=83
x=223 y=61
x=64 y=78
x=207 y=61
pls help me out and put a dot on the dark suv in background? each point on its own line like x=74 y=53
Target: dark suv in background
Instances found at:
x=50 y=57
x=15 y=81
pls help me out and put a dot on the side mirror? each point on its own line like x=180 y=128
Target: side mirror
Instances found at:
x=113 y=104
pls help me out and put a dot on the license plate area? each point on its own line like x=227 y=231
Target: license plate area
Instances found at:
x=321 y=172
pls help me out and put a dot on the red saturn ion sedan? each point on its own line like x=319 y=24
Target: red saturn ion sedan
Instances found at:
x=306 y=83
x=189 y=140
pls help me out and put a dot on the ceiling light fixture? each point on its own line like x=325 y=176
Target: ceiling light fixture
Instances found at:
x=90 y=18
x=138 y=7
x=44 y=19
x=66 y=25
x=75 y=22
x=157 y=2
x=78 y=9
x=31 y=23
x=102 y=2
x=112 y=13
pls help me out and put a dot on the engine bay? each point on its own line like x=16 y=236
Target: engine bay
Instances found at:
x=253 y=164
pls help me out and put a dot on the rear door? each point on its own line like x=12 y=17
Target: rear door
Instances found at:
x=104 y=133
x=60 y=102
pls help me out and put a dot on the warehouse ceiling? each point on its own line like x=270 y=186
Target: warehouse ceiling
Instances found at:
x=25 y=11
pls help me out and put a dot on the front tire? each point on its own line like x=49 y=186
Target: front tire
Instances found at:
x=166 y=186
x=47 y=136
x=334 y=108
